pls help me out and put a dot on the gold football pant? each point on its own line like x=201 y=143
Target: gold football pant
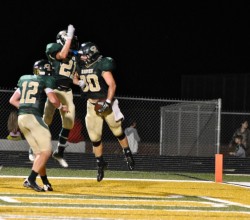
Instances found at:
x=36 y=132
x=94 y=123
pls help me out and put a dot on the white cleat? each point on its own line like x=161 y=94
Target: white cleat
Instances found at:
x=58 y=155
x=61 y=161
x=31 y=157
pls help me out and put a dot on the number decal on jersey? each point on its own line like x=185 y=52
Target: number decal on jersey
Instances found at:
x=91 y=83
x=27 y=91
x=67 y=69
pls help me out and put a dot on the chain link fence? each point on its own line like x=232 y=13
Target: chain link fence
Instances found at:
x=158 y=123
x=166 y=127
x=189 y=128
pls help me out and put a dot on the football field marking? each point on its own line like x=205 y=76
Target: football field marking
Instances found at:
x=124 y=195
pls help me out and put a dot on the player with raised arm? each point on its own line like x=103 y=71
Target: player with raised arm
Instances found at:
x=63 y=56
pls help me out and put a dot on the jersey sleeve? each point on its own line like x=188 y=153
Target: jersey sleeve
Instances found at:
x=108 y=64
x=50 y=82
x=19 y=83
x=52 y=49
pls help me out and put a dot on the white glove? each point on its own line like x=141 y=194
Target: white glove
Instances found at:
x=70 y=32
x=81 y=83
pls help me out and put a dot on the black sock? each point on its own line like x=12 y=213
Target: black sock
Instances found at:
x=32 y=176
x=60 y=149
x=45 y=179
x=100 y=161
x=63 y=136
x=127 y=151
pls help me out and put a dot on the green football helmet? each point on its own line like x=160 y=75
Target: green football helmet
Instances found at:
x=61 y=38
x=90 y=50
x=42 y=68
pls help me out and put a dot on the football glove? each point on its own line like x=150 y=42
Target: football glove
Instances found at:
x=106 y=107
x=81 y=83
x=70 y=32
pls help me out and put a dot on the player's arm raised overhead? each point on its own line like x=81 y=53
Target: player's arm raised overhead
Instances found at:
x=66 y=47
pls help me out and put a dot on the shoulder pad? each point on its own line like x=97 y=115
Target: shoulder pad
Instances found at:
x=53 y=48
x=108 y=64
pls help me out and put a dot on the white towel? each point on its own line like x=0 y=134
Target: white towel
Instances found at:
x=117 y=111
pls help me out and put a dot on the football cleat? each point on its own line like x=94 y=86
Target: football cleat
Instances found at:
x=58 y=155
x=100 y=171
x=47 y=187
x=31 y=155
x=32 y=185
x=130 y=162
x=129 y=159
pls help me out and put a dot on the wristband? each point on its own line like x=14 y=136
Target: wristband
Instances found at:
x=108 y=101
x=81 y=83
x=69 y=38
x=60 y=106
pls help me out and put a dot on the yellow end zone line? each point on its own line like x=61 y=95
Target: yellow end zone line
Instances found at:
x=112 y=202
x=119 y=213
x=118 y=188
x=239 y=184
x=131 y=189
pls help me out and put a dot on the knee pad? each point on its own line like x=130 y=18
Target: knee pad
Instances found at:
x=121 y=137
x=96 y=144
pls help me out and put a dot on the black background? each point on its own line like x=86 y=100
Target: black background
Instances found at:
x=154 y=44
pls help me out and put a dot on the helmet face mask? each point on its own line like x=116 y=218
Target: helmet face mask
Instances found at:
x=91 y=51
x=61 y=38
x=42 y=68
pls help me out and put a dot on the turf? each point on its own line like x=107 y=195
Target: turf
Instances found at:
x=61 y=172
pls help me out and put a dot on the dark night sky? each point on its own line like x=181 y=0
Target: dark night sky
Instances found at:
x=154 y=44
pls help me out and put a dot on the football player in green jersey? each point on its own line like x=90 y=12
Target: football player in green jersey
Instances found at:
x=29 y=98
x=62 y=56
x=99 y=87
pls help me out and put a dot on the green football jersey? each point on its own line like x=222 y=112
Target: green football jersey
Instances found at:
x=63 y=70
x=33 y=96
x=95 y=85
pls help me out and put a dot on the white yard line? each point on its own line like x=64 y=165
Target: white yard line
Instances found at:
x=225 y=202
x=118 y=179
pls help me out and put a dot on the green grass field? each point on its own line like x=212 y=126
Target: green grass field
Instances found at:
x=128 y=174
